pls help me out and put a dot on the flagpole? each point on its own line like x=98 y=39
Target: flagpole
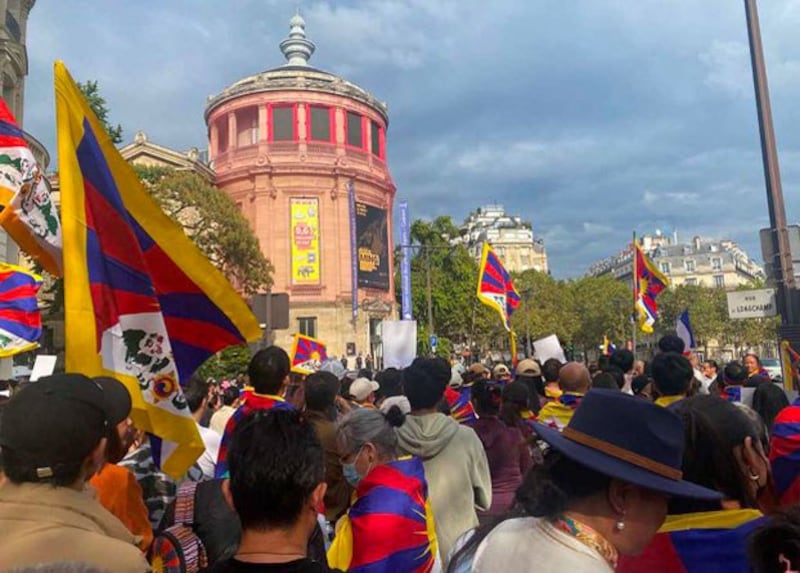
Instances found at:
x=635 y=293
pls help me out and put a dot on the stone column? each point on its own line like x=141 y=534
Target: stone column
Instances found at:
x=263 y=127
x=214 y=140
x=233 y=135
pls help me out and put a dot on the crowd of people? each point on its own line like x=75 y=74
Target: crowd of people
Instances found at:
x=622 y=465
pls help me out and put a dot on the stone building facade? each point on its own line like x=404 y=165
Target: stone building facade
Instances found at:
x=286 y=145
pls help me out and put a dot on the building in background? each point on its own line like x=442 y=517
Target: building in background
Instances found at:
x=511 y=237
x=285 y=145
x=702 y=262
x=144 y=153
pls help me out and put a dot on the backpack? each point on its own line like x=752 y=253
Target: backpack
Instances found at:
x=178 y=549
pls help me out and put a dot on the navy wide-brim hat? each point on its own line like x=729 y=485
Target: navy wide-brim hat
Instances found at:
x=629 y=439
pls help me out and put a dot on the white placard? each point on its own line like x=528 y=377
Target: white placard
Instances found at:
x=547 y=348
x=758 y=303
x=44 y=365
x=399 y=339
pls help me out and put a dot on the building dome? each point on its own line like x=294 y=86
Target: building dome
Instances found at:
x=287 y=144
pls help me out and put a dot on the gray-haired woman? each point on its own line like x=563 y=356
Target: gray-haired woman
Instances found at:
x=390 y=510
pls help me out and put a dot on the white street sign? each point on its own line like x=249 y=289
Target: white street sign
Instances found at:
x=759 y=303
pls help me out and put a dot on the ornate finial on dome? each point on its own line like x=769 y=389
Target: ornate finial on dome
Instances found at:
x=297 y=48
x=140 y=137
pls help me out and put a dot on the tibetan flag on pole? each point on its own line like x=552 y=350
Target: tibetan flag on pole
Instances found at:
x=27 y=212
x=142 y=303
x=308 y=354
x=608 y=347
x=648 y=284
x=684 y=329
x=495 y=288
x=790 y=362
x=20 y=318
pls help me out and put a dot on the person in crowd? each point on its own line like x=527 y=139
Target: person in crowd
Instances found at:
x=501 y=373
x=784 y=454
x=618 y=376
x=116 y=486
x=3 y=402
x=671 y=343
x=774 y=547
x=602 y=492
x=672 y=376
x=506 y=449
x=756 y=373
x=455 y=463
x=230 y=401
x=53 y=439
x=362 y=392
x=458 y=397
x=390 y=525
x=768 y=400
x=623 y=360
x=710 y=369
x=197 y=393
x=722 y=452
x=516 y=409
x=638 y=368
x=550 y=370
x=277 y=482
x=574 y=381
x=391 y=384
x=642 y=387
x=268 y=372
x=731 y=387
x=529 y=372
x=480 y=370
x=607 y=380
x=322 y=388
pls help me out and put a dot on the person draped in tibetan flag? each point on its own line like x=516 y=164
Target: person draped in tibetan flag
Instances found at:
x=723 y=452
x=142 y=303
x=389 y=527
x=269 y=374
x=648 y=284
x=574 y=380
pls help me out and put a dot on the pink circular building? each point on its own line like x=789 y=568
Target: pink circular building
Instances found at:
x=287 y=145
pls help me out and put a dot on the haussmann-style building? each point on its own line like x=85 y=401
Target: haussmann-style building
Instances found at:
x=286 y=145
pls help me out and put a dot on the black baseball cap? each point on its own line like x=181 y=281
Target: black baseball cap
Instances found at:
x=58 y=420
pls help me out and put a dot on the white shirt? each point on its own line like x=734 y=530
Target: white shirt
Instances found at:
x=208 y=459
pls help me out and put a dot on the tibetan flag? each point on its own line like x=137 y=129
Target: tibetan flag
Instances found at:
x=20 y=318
x=495 y=288
x=784 y=454
x=459 y=401
x=389 y=526
x=648 y=284
x=308 y=354
x=142 y=303
x=608 y=347
x=684 y=329
x=705 y=542
x=790 y=362
x=27 y=212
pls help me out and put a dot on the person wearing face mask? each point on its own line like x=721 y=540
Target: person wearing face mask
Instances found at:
x=389 y=526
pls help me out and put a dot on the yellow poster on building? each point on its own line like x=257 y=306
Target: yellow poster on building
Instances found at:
x=305 y=241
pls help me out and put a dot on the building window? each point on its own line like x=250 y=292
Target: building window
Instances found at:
x=376 y=138
x=691 y=281
x=716 y=264
x=320 y=123
x=283 y=123
x=665 y=268
x=719 y=281
x=690 y=266
x=307 y=325
x=355 y=133
x=222 y=135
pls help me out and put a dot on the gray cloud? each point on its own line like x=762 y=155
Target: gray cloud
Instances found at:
x=592 y=118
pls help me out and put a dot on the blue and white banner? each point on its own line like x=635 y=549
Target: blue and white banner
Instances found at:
x=684 y=330
x=351 y=198
x=405 y=261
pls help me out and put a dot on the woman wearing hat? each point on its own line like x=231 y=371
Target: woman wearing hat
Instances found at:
x=602 y=492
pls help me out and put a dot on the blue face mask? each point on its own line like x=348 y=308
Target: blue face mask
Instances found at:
x=350 y=474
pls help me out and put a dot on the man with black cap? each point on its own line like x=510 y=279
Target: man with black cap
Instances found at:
x=53 y=441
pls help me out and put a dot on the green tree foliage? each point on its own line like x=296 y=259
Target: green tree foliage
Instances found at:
x=603 y=307
x=226 y=364
x=547 y=307
x=708 y=311
x=91 y=91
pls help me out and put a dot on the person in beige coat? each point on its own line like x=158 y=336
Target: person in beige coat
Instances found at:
x=455 y=462
x=53 y=440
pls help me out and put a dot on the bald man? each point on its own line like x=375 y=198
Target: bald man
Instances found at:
x=574 y=380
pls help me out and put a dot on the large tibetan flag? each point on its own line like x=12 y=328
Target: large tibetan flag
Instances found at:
x=495 y=288
x=460 y=403
x=390 y=525
x=142 y=303
x=790 y=361
x=784 y=454
x=308 y=354
x=705 y=542
x=648 y=284
x=20 y=318
x=27 y=212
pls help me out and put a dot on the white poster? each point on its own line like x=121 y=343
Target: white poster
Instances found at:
x=44 y=365
x=399 y=343
x=547 y=348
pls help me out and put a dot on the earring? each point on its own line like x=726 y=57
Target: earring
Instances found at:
x=754 y=476
x=620 y=525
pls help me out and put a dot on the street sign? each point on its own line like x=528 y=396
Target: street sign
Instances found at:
x=759 y=303
x=434 y=342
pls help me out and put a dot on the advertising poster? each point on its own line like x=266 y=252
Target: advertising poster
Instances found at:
x=305 y=241
x=372 y=237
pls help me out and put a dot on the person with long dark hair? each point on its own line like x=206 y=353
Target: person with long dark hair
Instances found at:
x=602 y=491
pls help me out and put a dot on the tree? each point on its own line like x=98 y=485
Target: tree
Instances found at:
x=707 y=310
x=91 y=91
x=603 y=306
x=226 y=364
x=547 y=307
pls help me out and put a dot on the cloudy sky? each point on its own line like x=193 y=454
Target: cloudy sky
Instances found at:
x=591 y=118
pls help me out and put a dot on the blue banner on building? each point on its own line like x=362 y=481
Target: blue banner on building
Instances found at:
x=405 y=260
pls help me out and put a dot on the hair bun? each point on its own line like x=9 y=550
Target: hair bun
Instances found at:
x=395 y=417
